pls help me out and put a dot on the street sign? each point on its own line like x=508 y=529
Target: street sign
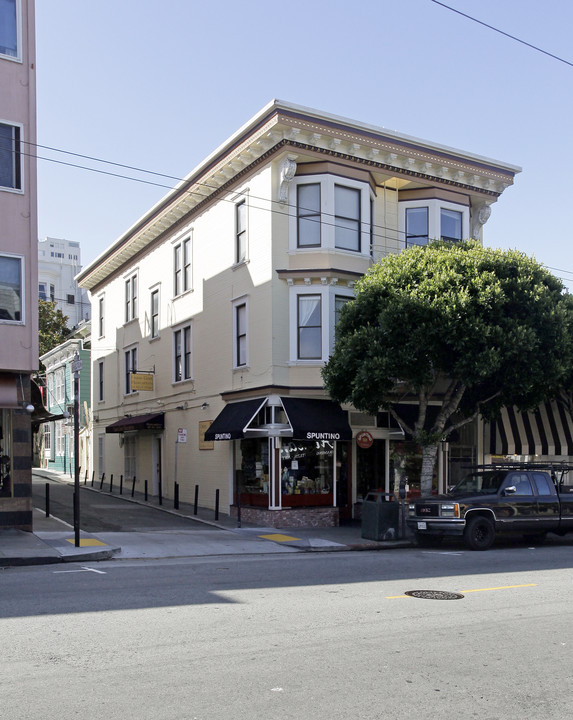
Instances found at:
x=181 y=435
x=76 y=364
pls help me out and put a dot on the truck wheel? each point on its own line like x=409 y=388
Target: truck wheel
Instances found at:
x=479 y=533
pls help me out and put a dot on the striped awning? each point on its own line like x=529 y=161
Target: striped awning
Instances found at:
x=548 y=430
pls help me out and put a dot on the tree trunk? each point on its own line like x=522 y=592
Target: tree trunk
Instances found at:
x=429 y=453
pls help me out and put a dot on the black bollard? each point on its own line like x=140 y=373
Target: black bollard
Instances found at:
x=217 y=504
x=196 y=503
x=102 y=479
x=121 y=484
x=133 y=487
x=176 y=496
x=93 y=477
x=47 y=499
x=111 y=483
x=146 y=491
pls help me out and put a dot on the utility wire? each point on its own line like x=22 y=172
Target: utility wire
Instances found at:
x=501 y=32
x=395 y=233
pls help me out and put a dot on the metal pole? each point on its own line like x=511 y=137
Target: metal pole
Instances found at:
x=133 y=487
x=175 y=468
x=146 y=491
x=102 y=479
x=76 y=367
x=111 y=483
x=121 y=484
x=47 y=499
x=217 y=504
x=176 y=496
x=196 y=500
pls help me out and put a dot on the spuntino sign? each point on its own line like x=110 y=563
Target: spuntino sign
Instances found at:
x=322 y=436
x=223 y=436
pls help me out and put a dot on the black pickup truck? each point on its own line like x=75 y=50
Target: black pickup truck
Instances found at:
x=530 y=500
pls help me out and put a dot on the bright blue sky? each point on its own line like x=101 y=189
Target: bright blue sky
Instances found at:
x=159 y=84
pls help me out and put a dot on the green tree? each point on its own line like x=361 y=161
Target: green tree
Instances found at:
x=467 y=328
x=52 y=326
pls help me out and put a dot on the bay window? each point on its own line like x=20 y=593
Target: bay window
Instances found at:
x=432 y=219
x=309 y=327
x=331 y=213
x=347 y=218
x=314 y=313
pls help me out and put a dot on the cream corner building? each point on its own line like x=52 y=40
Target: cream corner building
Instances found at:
x=224 y=298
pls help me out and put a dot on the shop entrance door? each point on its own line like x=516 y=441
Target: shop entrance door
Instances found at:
x=370 y=469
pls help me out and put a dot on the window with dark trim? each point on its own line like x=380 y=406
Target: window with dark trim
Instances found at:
x=240 y=335
x=182 y=267
x=154 y=314
x=308 y=215
x=100 y=379
x=10 y=157
x=130 y=366
x=182 y=354
x=100 y=317
x=241 y=231
x=131 y=298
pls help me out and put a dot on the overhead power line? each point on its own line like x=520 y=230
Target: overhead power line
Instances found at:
x=391 y=234
x=502 y=32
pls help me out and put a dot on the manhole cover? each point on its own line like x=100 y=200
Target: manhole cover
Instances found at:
x=434 y=594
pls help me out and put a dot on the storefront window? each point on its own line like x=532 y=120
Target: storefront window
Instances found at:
x=5 y=453
x=252 y=471
x=307 y=473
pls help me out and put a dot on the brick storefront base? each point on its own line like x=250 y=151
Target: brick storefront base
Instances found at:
x=292 y=517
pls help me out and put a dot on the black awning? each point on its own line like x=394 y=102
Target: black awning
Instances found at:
x=232 y=421
x=151 y=421
x=547 y=430
x=314 y=419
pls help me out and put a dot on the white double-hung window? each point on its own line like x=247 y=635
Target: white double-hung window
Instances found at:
x=182 y=354
x=330 y=213
x=314 y=312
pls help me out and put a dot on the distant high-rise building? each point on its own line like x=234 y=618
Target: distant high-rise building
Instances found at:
x=59 y=261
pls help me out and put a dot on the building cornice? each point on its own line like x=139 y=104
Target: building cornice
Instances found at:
x=281 y=126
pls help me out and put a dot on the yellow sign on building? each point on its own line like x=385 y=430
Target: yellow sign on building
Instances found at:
x=141 y=381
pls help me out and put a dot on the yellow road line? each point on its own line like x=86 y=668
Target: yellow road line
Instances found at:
x=501 y=587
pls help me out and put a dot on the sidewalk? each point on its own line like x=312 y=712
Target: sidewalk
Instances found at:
x=54 y=541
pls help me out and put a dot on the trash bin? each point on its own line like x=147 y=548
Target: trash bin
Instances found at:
x=380 y=513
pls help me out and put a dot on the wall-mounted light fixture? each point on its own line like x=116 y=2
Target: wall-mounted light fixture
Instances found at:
x=204 y=406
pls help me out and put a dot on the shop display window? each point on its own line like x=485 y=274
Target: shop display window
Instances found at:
x=307 y=473
x=252 y=471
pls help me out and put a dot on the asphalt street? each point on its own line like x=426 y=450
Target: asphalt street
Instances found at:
x=328 y=636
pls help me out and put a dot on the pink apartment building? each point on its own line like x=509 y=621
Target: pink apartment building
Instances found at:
x=18 y=259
